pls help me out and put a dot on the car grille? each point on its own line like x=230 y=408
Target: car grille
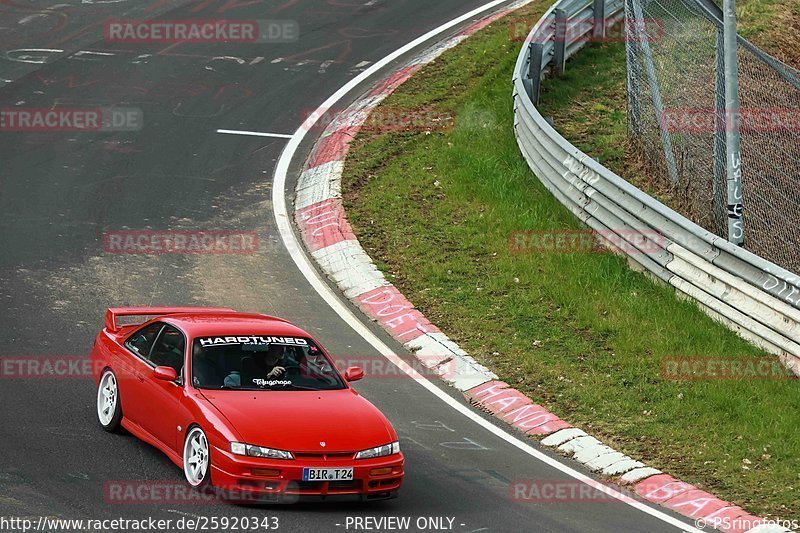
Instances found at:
x=337 y=456
x=335 y=485
x=324 y=487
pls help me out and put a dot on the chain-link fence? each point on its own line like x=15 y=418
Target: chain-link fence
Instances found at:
x=676 y=115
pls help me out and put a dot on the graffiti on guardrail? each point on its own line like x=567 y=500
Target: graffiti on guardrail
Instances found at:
x=787 y=288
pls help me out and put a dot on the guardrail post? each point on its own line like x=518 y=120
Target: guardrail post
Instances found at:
x=560 y=51
x=535 y=70
x=599 y=22
x=734 y=156
x=718 y=199
x=632 y=76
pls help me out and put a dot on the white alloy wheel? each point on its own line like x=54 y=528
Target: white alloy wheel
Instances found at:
x=107 y=398
x=195 y=457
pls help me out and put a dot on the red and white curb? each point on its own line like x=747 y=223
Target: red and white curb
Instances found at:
x=320 y=217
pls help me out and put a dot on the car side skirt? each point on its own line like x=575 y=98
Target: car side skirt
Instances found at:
x=140 y=433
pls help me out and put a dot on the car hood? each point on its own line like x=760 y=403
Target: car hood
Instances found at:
x=299 y=421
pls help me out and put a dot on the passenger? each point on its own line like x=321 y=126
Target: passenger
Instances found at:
x=233 y=361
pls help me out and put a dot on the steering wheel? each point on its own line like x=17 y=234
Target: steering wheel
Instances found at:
x=293 y=370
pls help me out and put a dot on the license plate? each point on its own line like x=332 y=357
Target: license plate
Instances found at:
x=327 y=474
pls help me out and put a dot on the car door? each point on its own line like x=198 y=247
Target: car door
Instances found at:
x=132 y=370
x=164 y=398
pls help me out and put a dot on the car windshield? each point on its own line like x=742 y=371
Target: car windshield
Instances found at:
x=258 y=362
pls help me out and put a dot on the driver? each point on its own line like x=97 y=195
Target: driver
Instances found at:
x=272 y=361
x=265 y=365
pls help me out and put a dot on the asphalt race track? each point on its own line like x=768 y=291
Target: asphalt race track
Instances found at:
x=60 y=191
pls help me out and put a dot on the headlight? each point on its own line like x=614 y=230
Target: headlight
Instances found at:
x=379 y=451
x=239 y=448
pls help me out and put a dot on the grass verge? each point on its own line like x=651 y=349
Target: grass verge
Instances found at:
x=773 y=25
x=581 y=333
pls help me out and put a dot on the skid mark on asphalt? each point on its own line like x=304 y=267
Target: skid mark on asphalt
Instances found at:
x=435 y=426
x=464 y=444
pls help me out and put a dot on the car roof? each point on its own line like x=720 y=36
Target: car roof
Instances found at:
x=221 y=324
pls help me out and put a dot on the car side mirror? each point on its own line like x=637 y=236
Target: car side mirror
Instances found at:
x=353 y=373
x=165 y=373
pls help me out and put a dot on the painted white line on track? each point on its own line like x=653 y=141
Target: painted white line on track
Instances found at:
x=256 y=134
x=303 y=263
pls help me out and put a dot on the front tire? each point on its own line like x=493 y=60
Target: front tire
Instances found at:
x=196 y=458
x=109 y=408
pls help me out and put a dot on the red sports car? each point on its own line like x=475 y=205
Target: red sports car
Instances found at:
x=245 y=403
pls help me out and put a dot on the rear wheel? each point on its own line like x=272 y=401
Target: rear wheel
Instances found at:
x=109 y=410
x=196 y=458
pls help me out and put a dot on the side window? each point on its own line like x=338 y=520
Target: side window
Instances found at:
x=169 y=349
x=141 y=342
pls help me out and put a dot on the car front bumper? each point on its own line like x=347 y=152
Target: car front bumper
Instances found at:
x=243 y=478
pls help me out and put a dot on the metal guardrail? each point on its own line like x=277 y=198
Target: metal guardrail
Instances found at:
x=756 y=298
